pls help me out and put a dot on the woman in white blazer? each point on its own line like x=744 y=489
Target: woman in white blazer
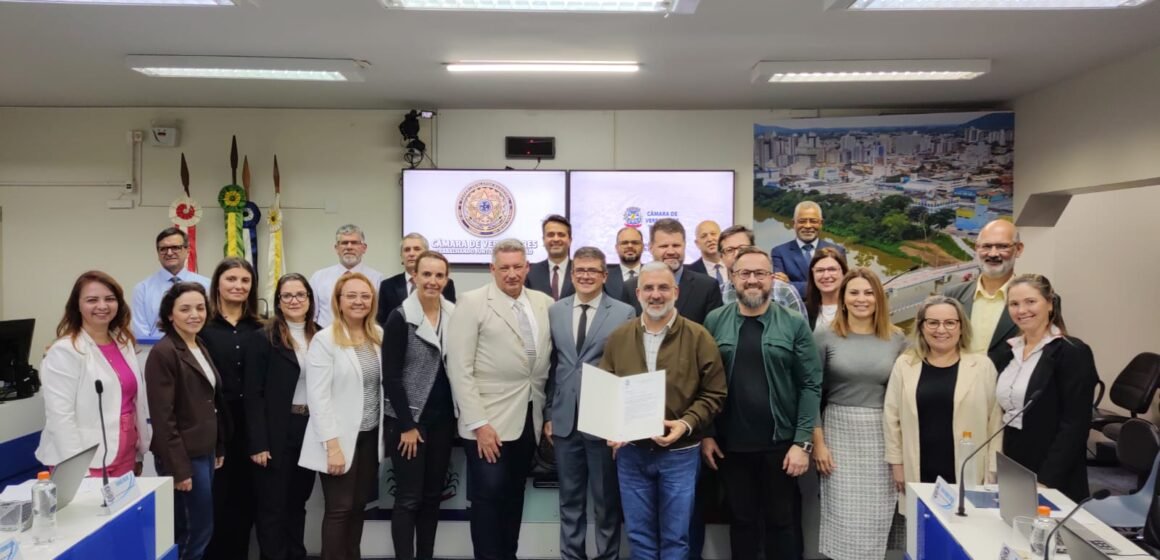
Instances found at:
x=94 y=346
x=344 y=396
x=935 y=395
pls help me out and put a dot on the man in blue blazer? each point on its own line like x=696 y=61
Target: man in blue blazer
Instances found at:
x=580 y=324
x=791 y=260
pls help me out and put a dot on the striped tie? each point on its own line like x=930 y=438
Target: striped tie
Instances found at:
x=525 y=331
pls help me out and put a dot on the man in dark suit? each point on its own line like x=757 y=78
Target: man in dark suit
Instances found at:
x=629 y=246
x=710 y=263
x=997 y=248
x=697 y=293
x=791 y=260
x=580 y=324
x=553 y=275
x=395 y=289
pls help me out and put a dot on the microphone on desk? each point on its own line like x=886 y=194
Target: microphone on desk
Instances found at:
x=104 y=435
x=1098 y=495
x=1029 y=402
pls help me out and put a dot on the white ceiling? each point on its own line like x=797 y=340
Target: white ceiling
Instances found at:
x=67 y=55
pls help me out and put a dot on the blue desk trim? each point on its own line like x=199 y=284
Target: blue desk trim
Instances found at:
x=19 y=462
x=934 y=541
x=170 y=554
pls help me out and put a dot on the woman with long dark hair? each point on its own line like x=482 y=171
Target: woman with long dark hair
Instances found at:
x=94 y=345
x=276 y=416
x=827 y=269
x=1050 y=438
x=233 y=318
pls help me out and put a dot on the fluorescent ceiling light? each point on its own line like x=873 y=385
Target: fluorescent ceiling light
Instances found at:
x=868 y=70
x=595 y=66
x=132 y=2
x=638 y=6
x=248 y=68
x=886 y=5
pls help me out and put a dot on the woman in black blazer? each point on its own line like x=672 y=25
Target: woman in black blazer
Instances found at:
x=276 y=415
x=1051 y=436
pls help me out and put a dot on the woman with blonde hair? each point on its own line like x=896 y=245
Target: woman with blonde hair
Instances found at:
x=344 y=395
x=858 y=352
x=937 y=395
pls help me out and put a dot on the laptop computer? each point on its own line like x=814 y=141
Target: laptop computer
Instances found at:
x=1018 y=490
x=68 y=476
x=1082 y=544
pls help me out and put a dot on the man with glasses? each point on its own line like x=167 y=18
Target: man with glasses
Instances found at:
x=629 y=247
x=172 y=251
x=763 y=437
x=791 y=260
x=997 y=247
x=580 y=325
x=350 y=245
x=731 y=241
x=699 y=294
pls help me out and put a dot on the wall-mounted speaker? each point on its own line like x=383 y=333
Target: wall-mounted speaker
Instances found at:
x=530 y=147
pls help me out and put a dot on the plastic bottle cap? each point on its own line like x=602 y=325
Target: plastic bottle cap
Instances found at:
x=967 y=435
x=1044 y=511
x=43 y=475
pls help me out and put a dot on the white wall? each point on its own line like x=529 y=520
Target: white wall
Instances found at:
x=1098 y=128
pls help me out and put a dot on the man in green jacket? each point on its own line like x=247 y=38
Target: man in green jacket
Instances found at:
x=762 y=437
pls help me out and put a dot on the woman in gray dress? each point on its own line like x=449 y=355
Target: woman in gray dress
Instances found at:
x=858 y=352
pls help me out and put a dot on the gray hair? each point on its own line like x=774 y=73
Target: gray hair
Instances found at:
x=509 y=245
x=590 y=253
x=806 y=205
x=658 y=266
x=414 y=235
x=347 y=230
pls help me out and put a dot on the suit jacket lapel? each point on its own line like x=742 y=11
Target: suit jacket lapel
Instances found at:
x=1004 y=330
x=686 y=287
x=962 y=386
x=401 y=288
x=1041 y=376
x=499 y=304
x=596 y=324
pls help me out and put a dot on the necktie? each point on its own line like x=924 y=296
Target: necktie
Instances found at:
x=555 y=281
x=808 y=249
x=174 y=280
x=582 y=330
x=411 y=286
x=631 y=274
x=525 y=331
x=720 y=280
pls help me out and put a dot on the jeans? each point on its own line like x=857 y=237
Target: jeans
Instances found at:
x=193 y=510
x=657 y=489
x=761 y=502
x=418 y=486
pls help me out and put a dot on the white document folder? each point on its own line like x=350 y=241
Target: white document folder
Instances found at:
x=621 y=408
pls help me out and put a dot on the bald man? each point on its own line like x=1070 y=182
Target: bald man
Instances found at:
x=710 y=262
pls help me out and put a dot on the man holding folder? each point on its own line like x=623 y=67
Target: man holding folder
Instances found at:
x=658 y=476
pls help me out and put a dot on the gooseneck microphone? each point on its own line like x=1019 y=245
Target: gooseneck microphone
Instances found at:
x=1028 y=403
x=104 y=435
x=1098 y=495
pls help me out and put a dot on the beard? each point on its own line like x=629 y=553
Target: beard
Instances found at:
x=657 y=316
x=752 y=301
x=997 y=270
x=630 y=260
x=350 y=261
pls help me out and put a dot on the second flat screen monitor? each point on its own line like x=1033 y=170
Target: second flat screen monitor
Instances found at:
x=603 y=202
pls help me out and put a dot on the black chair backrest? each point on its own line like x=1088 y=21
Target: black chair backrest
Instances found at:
x=1135 y=387
x=1137 y=446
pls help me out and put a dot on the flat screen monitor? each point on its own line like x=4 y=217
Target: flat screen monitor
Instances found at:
x=602 y=202
x=15 y=345
x=464 y=212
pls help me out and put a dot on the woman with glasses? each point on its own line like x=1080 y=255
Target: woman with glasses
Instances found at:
x=1050 y=438
x=419 y=412
x=827 y=269
x=233 y=318
x=937 y=394
x=94 y=345
x=344 y=395
x=276 y=415
x=858 y=351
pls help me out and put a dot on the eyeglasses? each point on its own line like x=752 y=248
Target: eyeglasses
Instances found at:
x=933 y=324
x=731 y=250
x=593 y=272
x=996 y=247
x=758 y=274
x=357 y=297
x=828 y=270
x=171 y=248
x=287 y=298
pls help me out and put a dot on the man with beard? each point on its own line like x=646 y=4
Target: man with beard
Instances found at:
x=172 y=251
x=698 y=294
x=629 y=246
x=395 y=289
x=791 y=260
x=553 y=276
x=733 y=240
x=996 y=249
x=350 y=245
x=658 y=476
x=762 y=438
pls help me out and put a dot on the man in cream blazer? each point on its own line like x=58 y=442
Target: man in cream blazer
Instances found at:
x=499 y=350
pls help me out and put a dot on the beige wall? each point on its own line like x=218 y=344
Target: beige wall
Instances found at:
x=1098 y=128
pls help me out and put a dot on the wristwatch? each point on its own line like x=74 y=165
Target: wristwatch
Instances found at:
x=806 y=446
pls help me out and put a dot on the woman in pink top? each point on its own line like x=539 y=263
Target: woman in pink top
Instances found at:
x=94 y=345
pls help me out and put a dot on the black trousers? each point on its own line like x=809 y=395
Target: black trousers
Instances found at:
x=496 y=493
x=345 y=497
x=760 y=496
x=419 y=483
x=233 y=493
x=282 y=489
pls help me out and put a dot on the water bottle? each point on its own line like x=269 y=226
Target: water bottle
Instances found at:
x=970 y=476
x=1039 y=531
x=43 y=509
